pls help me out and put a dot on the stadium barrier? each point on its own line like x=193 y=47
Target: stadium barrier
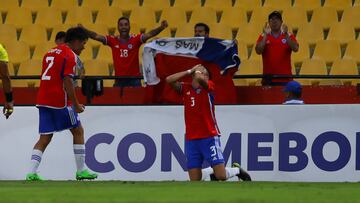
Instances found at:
x=315 y=143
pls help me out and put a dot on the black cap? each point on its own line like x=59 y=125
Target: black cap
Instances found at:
x=275 y=14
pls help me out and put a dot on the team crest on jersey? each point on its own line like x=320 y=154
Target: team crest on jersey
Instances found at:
x=198 y=91
x=283 y=41
x=130 y=46
x=188 y=93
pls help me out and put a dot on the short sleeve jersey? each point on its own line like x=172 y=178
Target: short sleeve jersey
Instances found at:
x=57 y=64
x=199 y=111
x=277 y=55
x=125 y=55
x=3 y=54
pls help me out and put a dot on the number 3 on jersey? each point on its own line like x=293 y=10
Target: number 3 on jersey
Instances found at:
x=192 y=101
x=50 y=61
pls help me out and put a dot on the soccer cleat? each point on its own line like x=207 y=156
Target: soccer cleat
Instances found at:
x=85 y=175
x=243 y=175
x=33 y=177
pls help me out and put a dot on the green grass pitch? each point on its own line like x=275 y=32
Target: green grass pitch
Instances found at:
x=119 y=191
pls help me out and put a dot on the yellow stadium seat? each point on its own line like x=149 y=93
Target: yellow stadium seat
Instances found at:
x=105 y=54
x=95 y=5
x=109 y=16
x=250 y=67
x=34 y=5
x=18 y=51
x=248 y=5
x=356 y=3
x=126 y=5
x=185 y=30
x=352 y=50
x=163 y=34
x=302 y=54
x=324 y=16
x=233 y=17
x=79 y=15
x=220 y=31
x=313 y=67
x=249 y=33
x=144 y=17
x=101 y=29
x=240 y=82
x=41 y=49
x=311 y=33
x=174 y=16
x=7 y=33
x=260 y=15
x=307 y=4
x=279 y=4
x=327 y=50
x=242 y=50
x=87 y=53
x=349 y=16
x=339 y=4
x=49 y=17
x=218 y=5
x=295 y=17
x=19 y=17
x=157 y=5
x=64 y=5
x=8 y=5
x=254 y=55
x=341 y=32
x=330 y=82
x=204 y=15
x=187 y=5
x=29 y=68
x=344 y=67
x=96 y=68
x=304 y=82
x=58 y=28
x=33 y=34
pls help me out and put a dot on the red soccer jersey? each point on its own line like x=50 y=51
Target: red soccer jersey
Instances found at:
x=58 y=63
x=277 y=56
x=199 y=111
x=125 y=55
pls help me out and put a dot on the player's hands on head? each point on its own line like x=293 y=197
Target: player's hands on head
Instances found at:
x=164 y=24
x=79 y=108
x=267 y=29
x=8 y=109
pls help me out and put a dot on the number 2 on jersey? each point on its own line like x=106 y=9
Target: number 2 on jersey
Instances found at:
x=50 y=61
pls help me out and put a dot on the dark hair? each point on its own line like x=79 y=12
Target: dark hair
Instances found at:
x=207 y=29
x=275 y=14
x=76 y=33
x=124 y=18
x=60 y=35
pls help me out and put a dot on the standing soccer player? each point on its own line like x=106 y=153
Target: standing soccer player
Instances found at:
x=4 y=74
x=202 y=141
x=57 y=102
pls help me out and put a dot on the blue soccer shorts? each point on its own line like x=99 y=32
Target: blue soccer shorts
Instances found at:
x=208 y=149
x=55 y=120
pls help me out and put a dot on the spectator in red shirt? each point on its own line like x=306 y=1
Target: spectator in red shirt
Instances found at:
x=275 y=45
x=125 y=50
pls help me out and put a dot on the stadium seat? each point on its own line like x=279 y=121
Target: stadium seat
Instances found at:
x=87 y=53
x=341 y=32
x=254 y=55
x=96 y=68
x=34 y=5
x=304 y=82
x=327 y=50
x=8 y=5
x=356 y=3
x=33 y=34
x=344 y=67
x=204 y=15
x=95 y=5
x=18 y=51
x=249 y=33
x=233 y=17
x=307 y=4
x=174 y=16
x=109 y=16
x=260 y=15
x=101 y=29
x=187 y=5
x=242 y=50
x=311 y=33
x=49 y=17
x=144 y=17
x=240 y=82
x=350 y=14
x=79 y=15
x=157 y=5
x=330 y=82
x=352 y=50
x=7 y=33
x=278 y=4
x=41 y=49
x=218 y=5
x=302 y=54
x=313 y=67
x=185 y=30
x=220 y=31
x=64 y=5
x=28 y=68
x=126 y=5
x=324 y=16
x=339 y=4
x=58 y=28
x=19 y=17
x=165 y=33
x=250 y=67
x=248 y=5
x=105 y=54
x=294 y=16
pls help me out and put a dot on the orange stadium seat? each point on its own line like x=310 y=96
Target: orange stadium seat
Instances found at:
x=324 y=16
x=34 y=5
x=327 y=50
x=109 y=16
x=311 y=33
x=126 y=5
x=248 y=5
x=19 y=17
x=157 y=5
x=79 y=15
x=278 y=4
x=7 y=33
x=95 y=5
x=33 y=34
x=174 y=16
x=18 y=51
x=352 y=50
x=187 y=5
x=233 y=17
x=307 y=4
x=295 y=17
x=96 y=68
x=49 y=17
x=205 y=15
x=64 y=5
x=41 y=49
x=105 y=54
x=144 y=17
x=341 y=32
x=350 y=14
x=8 y=5
x=218 y=5
x=28 y=68
x=339 y=4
